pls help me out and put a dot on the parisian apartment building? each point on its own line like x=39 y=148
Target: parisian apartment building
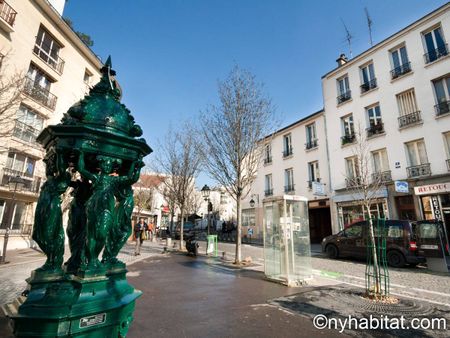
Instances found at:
x=396 y=95
x=57 y=70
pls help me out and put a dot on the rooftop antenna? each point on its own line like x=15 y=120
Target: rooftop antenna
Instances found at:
x=349 y=38
x=369 y=24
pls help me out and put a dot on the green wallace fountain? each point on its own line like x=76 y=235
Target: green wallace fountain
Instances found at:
x=96 y=151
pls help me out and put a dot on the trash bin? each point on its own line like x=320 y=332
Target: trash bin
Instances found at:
x=211 y=245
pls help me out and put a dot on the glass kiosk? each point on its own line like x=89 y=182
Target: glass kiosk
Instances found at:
x=287 y=248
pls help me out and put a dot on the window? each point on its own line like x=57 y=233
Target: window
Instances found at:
x=407 y=108
x=442 y=92
x=380 y=161
x=348 y=130
x=47 y=49
x=248 y=217
x=435 y=46
x=28 y=124
x=400 y=62
x=447 y=148
x=20 y=164
x=352 y=167
x=368 y=78
x=417 y=159
x=223 y=198
x=354 y=231
x=375 y=123
x=289 y=180
x=311 y=138
x=268 y=185
x=37 y=86
x=268 y=154
x=287 y=145
x=343 y=88
x=313 y=173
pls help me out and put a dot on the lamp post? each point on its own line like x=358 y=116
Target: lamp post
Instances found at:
x=205 y=193
x=252 y=205
x=15 y=183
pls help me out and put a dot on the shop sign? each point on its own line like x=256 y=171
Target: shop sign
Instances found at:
x=318 y=188
x=401 y=186
x=436 y=208
x=432 y=189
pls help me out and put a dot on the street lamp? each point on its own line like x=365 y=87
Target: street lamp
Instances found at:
x=205 y=193
x=14 y=184
x=252 y=201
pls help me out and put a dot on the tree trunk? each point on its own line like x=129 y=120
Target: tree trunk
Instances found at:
x=181 y=229
x=238 y=231
x=376 y=272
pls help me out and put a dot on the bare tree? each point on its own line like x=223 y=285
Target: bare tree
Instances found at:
x=144 y=193
x=194 y=202
x=179 y=158
x=366 y=186
x=231 y=131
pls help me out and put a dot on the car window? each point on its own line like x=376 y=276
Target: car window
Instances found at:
x=395 y=231
x=354 y=231
x=427 y=230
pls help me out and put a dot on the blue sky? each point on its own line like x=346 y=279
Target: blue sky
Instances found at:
x=169 y=54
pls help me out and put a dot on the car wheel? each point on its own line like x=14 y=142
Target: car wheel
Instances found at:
x=396 y=259
x=332 y=251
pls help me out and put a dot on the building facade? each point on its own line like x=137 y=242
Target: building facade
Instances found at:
x=398 y=94
x=294 y=162
x=56 y=70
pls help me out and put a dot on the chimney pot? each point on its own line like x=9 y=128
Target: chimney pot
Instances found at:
x=342 y=60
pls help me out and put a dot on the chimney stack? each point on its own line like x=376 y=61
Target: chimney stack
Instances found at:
x=342 y=60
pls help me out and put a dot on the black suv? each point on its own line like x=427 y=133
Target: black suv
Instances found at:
x=401 y=246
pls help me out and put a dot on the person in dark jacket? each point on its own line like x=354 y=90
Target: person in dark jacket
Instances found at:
x=140 y=229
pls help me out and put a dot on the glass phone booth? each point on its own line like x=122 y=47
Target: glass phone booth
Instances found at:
x=287 y=248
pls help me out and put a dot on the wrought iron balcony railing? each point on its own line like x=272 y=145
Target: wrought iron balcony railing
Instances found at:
x=39 y=93
x=436 y=54
x=382 y=177
x=311 y=144
x=400 y=70
x=375 y=129
x=7 y=13
x=289 y=188
x=268 y=192
x=346 y=139
x=51 y=58
x=409 y=119
x=442 y=108
x=267 y=159
x=369 y=85
x=16 y=228
x=352 y=182
x=25 y=132
x=419 y=170
x=32 y=183
x=344 y=97
x=287 y=152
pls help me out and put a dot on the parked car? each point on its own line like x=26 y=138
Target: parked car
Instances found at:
x=401 y=246
x=188 y=227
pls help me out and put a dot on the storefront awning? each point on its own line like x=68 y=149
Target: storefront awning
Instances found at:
x=354 y=196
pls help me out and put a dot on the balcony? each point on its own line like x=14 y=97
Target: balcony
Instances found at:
x=375 y=129
x=267 y=159
x=344 y=97
x=419 y=170
x=40 y=94
x=311 y=144
x=25 y=132
x=382 y=177
x=400 y=70
x=436 y=54
x=442 y=108
x=409 y=119
x=7 y=16
x=353 y=182
x=268 y=192
x=287 y=152
x=32 y=183
x=347 y=139
x=50 y=57
x=448 y=164
x=365 y=87
x=289 y=188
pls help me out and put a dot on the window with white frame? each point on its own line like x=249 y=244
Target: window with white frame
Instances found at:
x=447 y=147
x=311 y=137
x=348 y=130
x=407 y=103
x=47 y=48
x=267 y=153
x=289 y=180
x=368 y=80
x=400 y=62
x=380 y=161
x=343 y=88
x=417 y=154
x=434 y=43
x=442 y=94
x=20 y=163
x=352 y=167
x=268 y=190
x=313 y=173
x=374 y=115
x=39 y=78
x=287 y=145
x=28 y=124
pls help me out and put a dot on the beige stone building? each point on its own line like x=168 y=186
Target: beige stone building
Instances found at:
x=57 y=69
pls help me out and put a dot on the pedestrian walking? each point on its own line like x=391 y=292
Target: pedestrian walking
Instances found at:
x=139 y=233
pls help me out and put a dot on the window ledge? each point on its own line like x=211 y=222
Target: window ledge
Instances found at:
x=376 y=135
x=411 y=125
x=342 y=103
x=436 y=61
x=370 y=91
x=311 y=149
x=441 y=115
x=347 y=144
x=402 y=76
x=288 y=157
x=268 y=163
